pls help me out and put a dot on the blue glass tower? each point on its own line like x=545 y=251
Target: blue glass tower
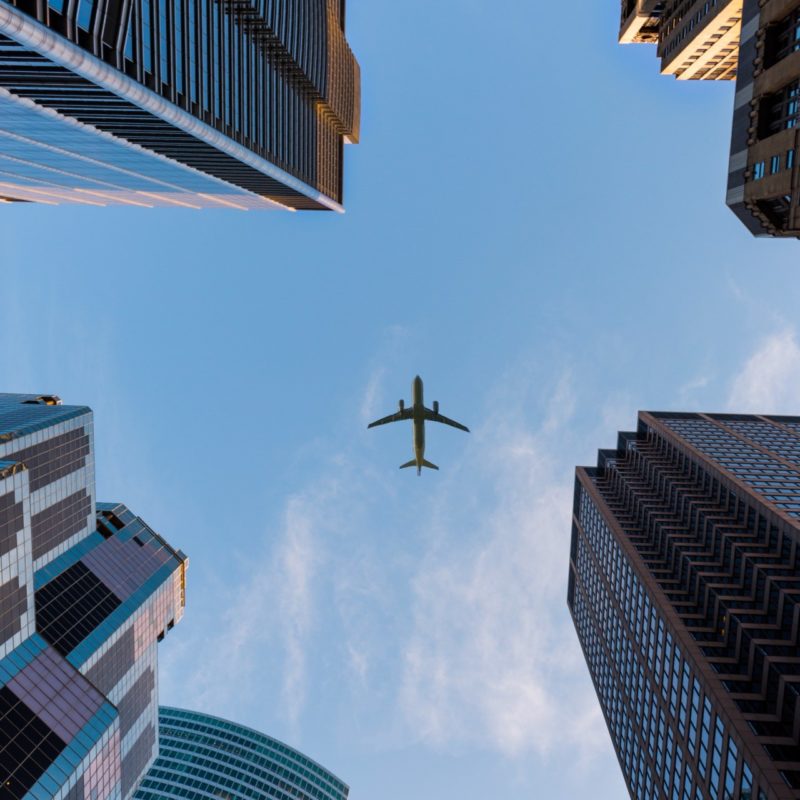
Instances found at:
x=87 y=590
x=206 y=757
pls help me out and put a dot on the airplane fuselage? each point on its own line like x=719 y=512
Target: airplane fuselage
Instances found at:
x=418 y=409
x=418 y=415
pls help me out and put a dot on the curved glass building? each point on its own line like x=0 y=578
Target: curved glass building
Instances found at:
x=207 y=757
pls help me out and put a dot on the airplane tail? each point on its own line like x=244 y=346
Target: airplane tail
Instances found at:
x=413 y=463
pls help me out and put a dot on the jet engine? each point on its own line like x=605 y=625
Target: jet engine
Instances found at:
x=402 y=404
x=435 y=406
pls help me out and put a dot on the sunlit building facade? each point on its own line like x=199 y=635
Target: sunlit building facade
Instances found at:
x=684 y=587
x=763 y=174
x=203 y=757
x=187 y=103
x=757 y=44
x=87 y=590
x=696 y=39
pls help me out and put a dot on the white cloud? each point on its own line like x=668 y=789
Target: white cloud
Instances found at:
x=688 y=392
x=296 y=561
x=259 y=634
x=372 y=398
x=493 y=660
x=454 y=604
x=561 y=406
x=372 y=394
x=769 y=382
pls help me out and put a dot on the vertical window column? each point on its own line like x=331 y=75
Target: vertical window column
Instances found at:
x=177 y=26
x=147 y=36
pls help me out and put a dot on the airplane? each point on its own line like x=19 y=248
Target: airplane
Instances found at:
x=419 y=414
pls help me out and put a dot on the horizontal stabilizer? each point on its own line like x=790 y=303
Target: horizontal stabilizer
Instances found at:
x=413 y=463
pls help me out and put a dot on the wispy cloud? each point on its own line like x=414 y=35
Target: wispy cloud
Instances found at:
x=493 y=660
x=693 y=387
x=443 y=619
x=372 y=401
x=769 y=382
x=372 y=394
x=260 y=636
x=297 y=558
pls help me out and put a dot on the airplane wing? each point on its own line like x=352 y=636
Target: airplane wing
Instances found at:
x=432 y=416
x=406 y=413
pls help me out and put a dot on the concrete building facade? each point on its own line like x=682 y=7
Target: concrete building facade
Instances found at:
x=757 y=44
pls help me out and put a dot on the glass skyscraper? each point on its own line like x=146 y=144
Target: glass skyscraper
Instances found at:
x=684 y=584
x=193 y=103
x=206 y=757
x=87 y=590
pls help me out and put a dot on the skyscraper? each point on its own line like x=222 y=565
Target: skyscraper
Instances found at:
x=756 y=43
x=196 y=103
x=763 y=174
x=697 y=40
x=86 y=591
x=684 y=584
x=204 y=756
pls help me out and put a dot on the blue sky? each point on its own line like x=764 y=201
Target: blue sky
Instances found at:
x=536 y=225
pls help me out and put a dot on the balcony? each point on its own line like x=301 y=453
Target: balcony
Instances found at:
x=640 y=21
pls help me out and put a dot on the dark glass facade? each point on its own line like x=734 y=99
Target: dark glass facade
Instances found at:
x=255 y=97
x=683 y=586
x=87 y=590
x=202 y=756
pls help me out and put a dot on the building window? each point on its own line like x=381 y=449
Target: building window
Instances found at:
x=775 y=165
x=85 y=14
x=759 y=170
x=779 y=111
x=147 y=36
x=777 y=211
x=782 y=39
x=163 y=43
x=789 y=159
x=129 y=36
x=177 y=24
